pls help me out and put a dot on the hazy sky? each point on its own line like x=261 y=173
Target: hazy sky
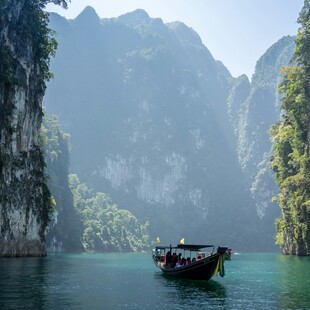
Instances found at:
x=237 y=32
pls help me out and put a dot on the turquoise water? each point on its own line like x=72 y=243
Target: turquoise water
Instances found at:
x=131 y=281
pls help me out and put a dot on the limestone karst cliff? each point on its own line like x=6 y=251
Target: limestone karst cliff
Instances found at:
x=145 y=105
x=253 y=108
x=25 y=48
x=164 y=128
x=291 y=147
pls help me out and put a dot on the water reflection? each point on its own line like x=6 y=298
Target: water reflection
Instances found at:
x=19 y=282
x=31 y=283
x=200 y=294
x=293 y=282
x=126 y=281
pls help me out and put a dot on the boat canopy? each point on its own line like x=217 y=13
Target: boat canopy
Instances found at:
x=186 y=247
x=194 y=247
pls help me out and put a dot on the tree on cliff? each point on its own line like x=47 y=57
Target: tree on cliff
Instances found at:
x=105 y=226
x=63 y=3
x=291 y=136
x=64 y=227
x=26 y=46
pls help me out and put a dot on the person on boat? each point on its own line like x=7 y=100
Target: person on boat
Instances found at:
x=179 y=260
x=194 y=259
x=168 y=259
x=157 y=256
x=188 y=260
x=174 y=259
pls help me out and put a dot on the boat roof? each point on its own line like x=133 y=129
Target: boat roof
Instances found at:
x=187 y=247
x=194 y=247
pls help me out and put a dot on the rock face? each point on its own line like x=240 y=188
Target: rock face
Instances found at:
x=164 y=128
x=24 y=197
x=65 y=227
x=253 y=108
x=145 y=105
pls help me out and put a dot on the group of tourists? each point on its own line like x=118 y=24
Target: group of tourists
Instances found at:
x=176 y=260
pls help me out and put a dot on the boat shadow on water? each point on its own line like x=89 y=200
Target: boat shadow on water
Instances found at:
x=199 y=291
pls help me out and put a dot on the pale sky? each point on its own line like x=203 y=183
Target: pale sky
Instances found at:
x=237 y=32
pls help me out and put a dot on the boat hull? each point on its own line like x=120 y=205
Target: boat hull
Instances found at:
x=200 y=270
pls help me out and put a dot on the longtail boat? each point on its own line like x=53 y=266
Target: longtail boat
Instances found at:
x=190 y=261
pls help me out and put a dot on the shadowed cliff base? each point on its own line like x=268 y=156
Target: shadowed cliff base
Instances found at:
x=22 y=248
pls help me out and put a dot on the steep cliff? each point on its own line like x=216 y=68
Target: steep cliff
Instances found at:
x=25 y=48
x=145 y=105
x=291 y=149
x=163 y=127
x=64 y=232
x=253 y=108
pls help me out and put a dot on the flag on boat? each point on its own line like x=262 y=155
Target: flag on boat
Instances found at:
x=182 y=241
x=157 y=240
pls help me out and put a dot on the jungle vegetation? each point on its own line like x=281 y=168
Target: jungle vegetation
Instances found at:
x=82 y=219
x=291 y=137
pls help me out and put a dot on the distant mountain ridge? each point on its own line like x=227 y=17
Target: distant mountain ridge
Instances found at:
x=160 y=125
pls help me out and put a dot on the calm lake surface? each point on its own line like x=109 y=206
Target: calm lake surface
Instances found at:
x=131 y=281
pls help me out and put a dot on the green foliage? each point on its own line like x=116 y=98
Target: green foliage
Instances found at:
x=42 y=37
x=33 y=37
x=65 y=226
x=280 y=225
x=291 y=161
x=106 y=227
x=62 y=3
x=95 y=220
